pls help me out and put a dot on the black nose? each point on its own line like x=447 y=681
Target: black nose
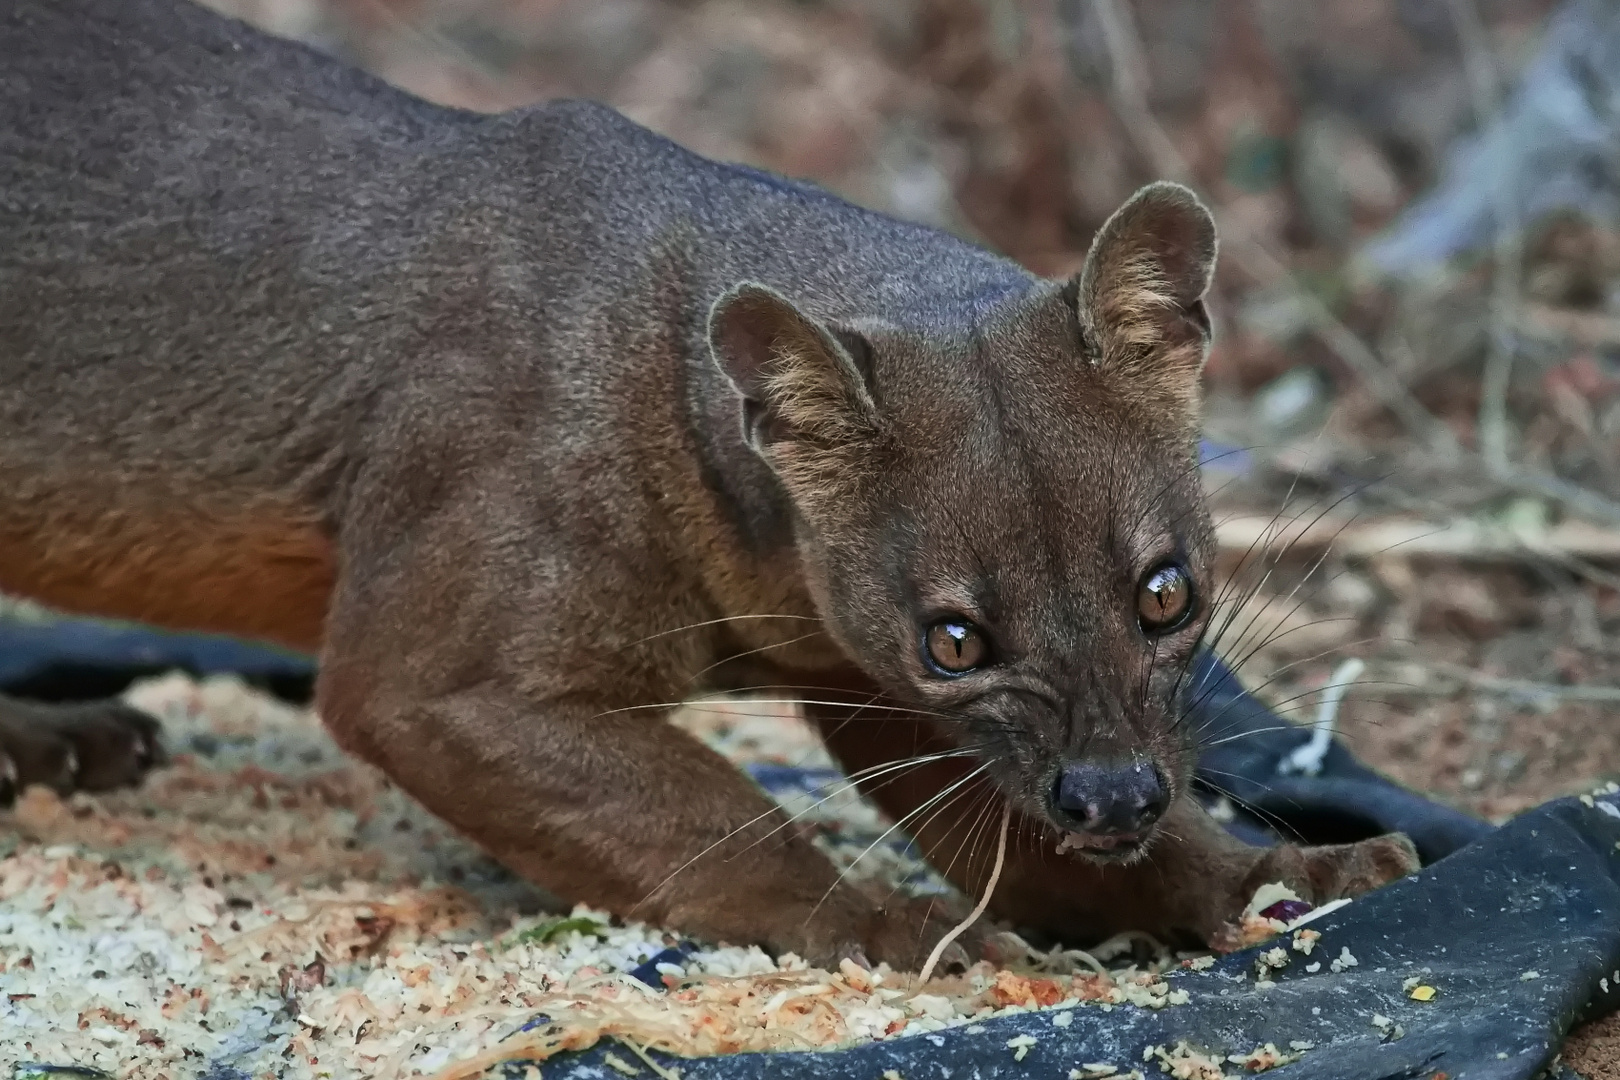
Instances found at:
x=1111 y=799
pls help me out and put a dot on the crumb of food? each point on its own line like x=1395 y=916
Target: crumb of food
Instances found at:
x=858 y=978
x=1301 y=1044
x=1262 y=1058
x=1343 y=961
x=1020 y=1044
x=1381 y=1022
x=1587 y=800
x=1423 y=993
x=1182 y=1062
x=1094 y=1068
x=1062 y=1019
x=1529 y=975
x=935 y=1006
x=1305 y=940
x=892 y=1074
x=1250 y=930
x=1413 y=981
x=1267 y=962
x=1199 y=963
x=1314 y=967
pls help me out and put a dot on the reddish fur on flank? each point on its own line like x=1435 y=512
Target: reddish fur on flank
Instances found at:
x=263 y=570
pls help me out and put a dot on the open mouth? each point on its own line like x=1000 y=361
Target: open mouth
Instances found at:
x=1099 y=845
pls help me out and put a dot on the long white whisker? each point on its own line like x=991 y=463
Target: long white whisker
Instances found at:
x=865 y=774
x=752 y=652
x=715 y=622
x=898 y=824
x=775 y=701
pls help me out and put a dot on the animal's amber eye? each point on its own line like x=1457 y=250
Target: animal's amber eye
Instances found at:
x=1164 y=599
x=956 y=646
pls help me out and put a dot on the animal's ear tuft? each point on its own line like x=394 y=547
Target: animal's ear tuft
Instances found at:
x=1141 y=292
x=799 y=382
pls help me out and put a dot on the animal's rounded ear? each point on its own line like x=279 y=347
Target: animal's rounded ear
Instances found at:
x=796 y=378
x=1141 y=291
x=746 y=328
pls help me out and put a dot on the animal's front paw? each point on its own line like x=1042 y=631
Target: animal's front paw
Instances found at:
x=872 y=927
x=905 y=931
x=1337 y=871
x=1317 y=875
x=82 y=747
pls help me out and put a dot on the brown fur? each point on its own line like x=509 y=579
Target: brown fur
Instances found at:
x=263 y=571
x=540 y=424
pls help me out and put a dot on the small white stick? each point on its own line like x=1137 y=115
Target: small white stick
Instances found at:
x=984 y=901
x=1307 y=759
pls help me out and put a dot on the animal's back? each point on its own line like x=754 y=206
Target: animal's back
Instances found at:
x=184 y=253
x=183 y=205
x=223 y=255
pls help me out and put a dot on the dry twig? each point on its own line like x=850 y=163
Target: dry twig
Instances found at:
x=1454 y=679
x=1480 y=67
x=1417 y=538
x=1586 y=328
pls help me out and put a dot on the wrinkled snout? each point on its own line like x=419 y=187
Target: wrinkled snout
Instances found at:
x=1109 y=804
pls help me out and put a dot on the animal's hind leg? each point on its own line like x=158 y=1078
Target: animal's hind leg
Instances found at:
x=85 y=746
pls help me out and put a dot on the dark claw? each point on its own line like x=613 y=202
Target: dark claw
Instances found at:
x=89 y=746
